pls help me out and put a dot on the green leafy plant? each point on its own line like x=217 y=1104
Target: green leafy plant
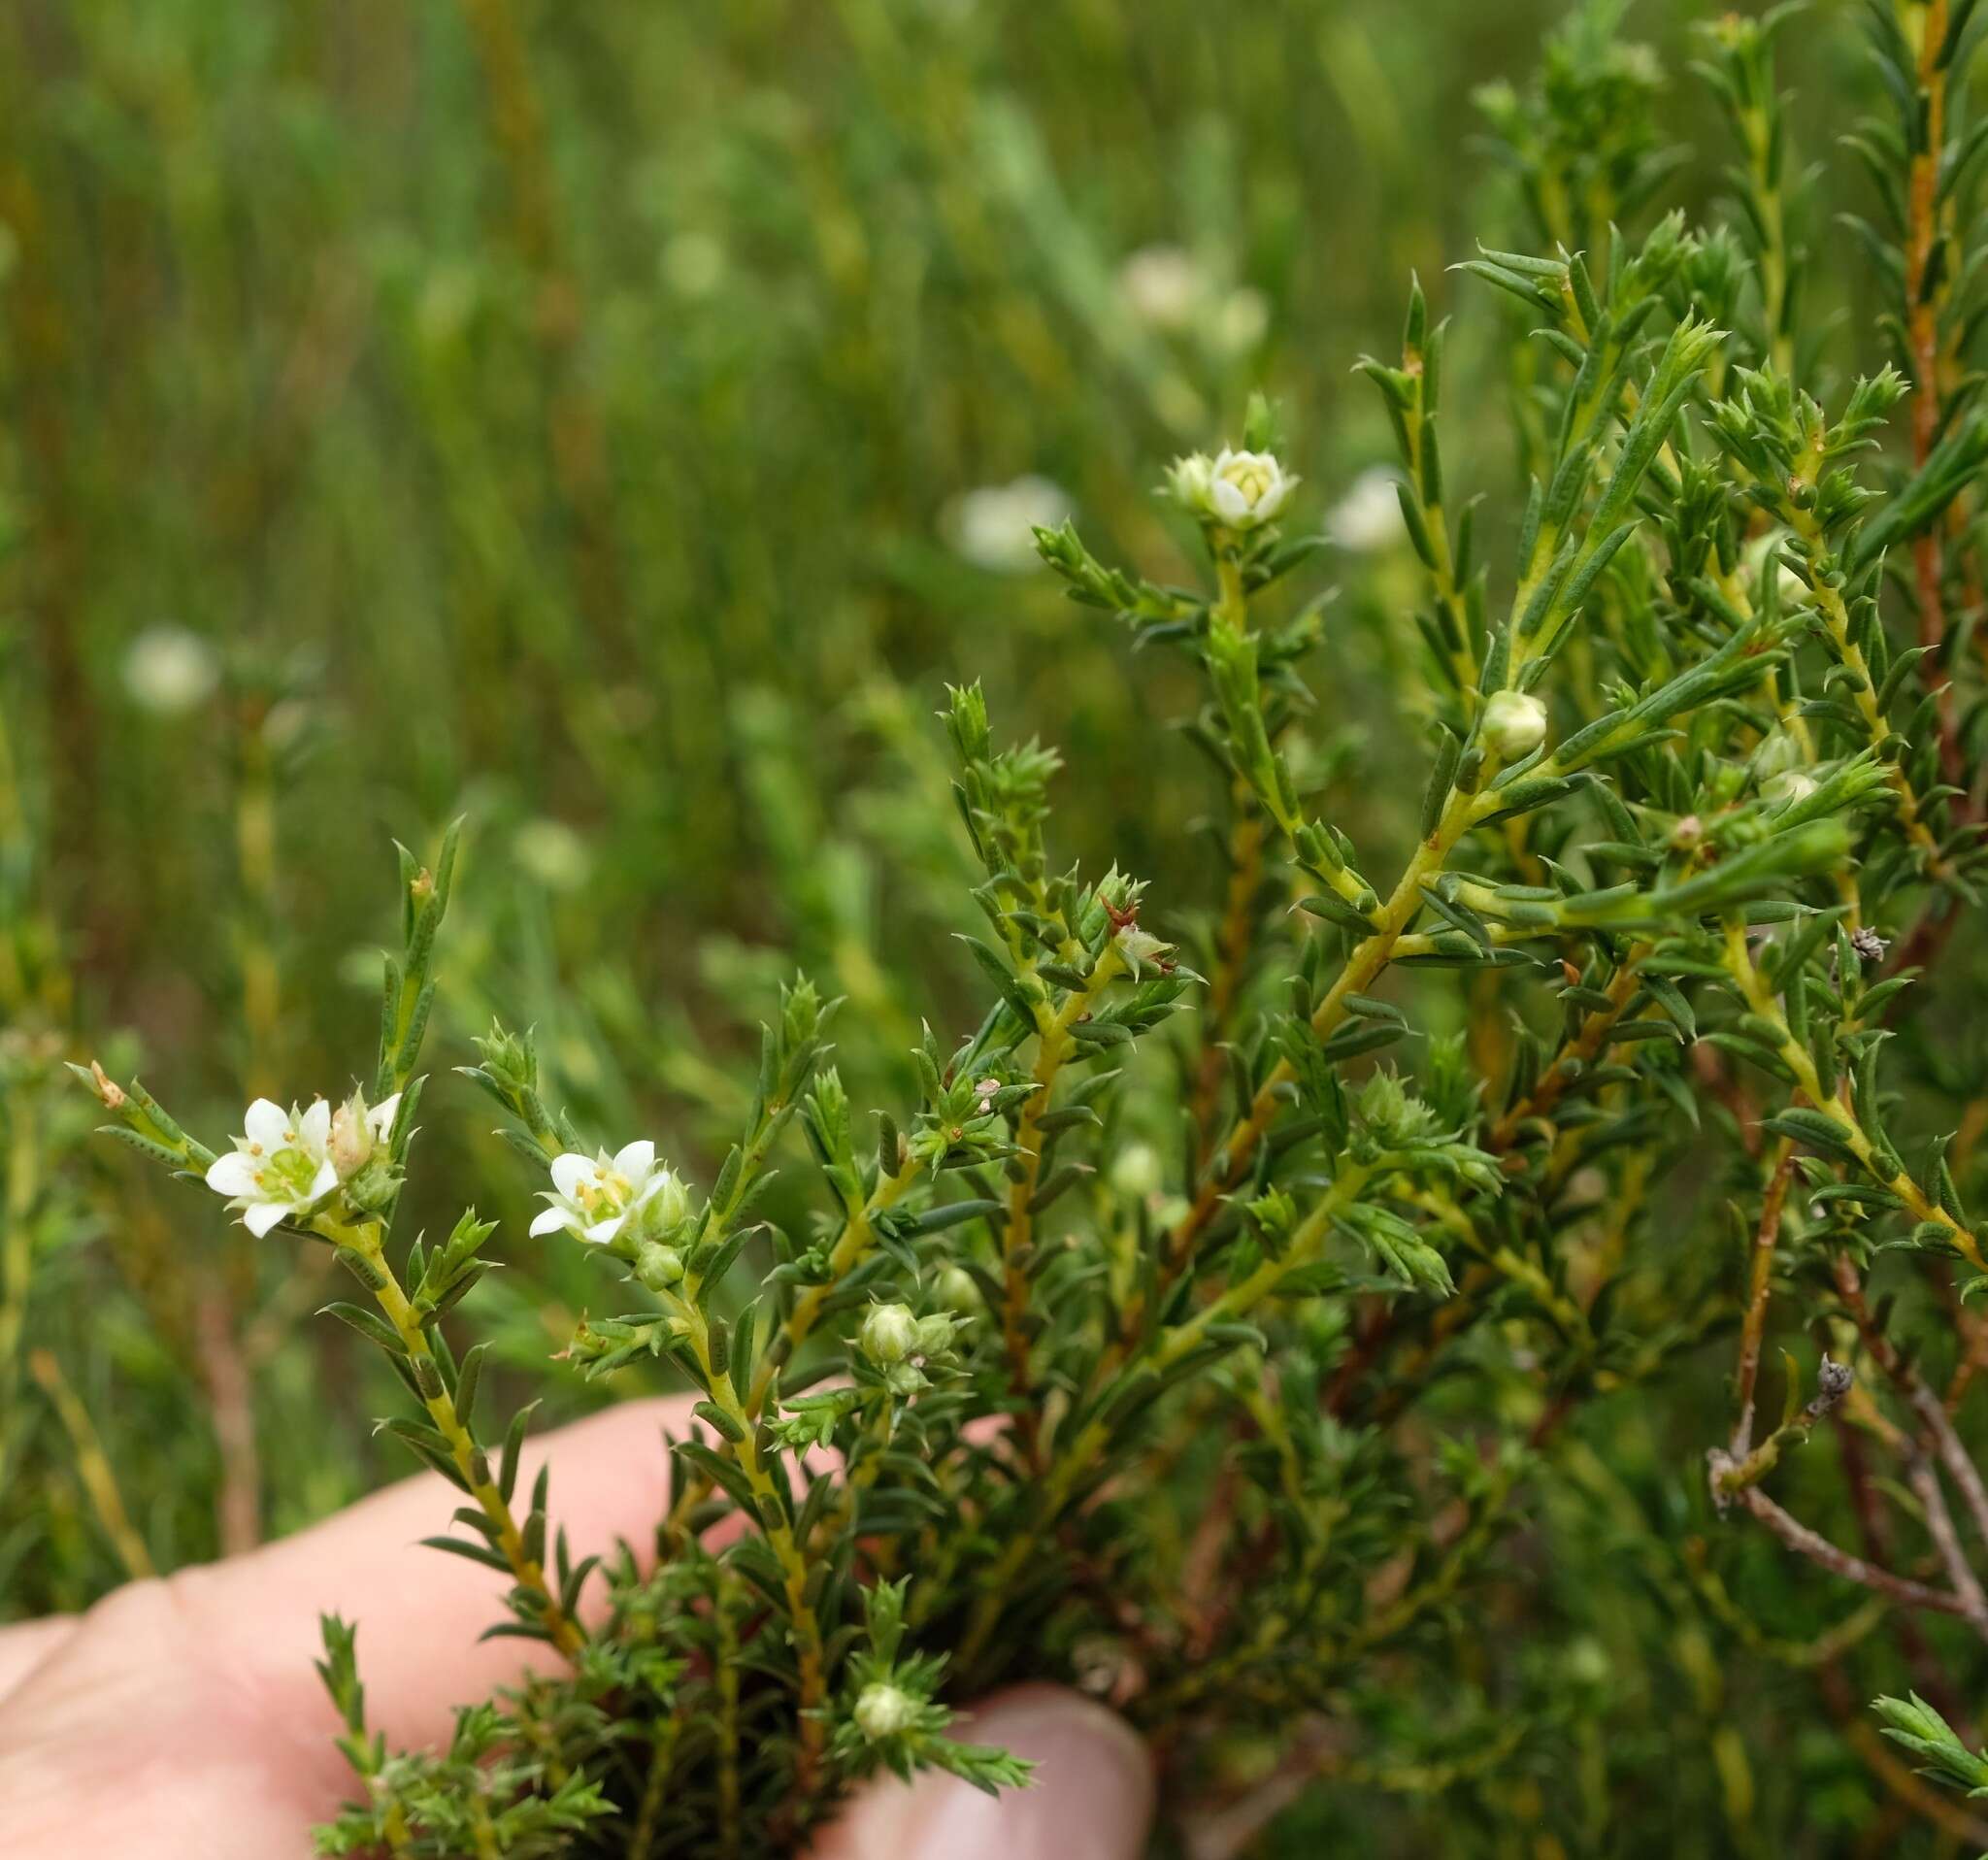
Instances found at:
x=1165 y=1338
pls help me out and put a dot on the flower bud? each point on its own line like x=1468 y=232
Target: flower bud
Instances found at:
x=666 y=1208
x=1187 y=483
x=1786 y=789
x=1515 y=724
x=659 y=1267
x=1141 y=949
x=1779 y=754
x=883 y=1710
x=350 y=1143
x=957 y=1292
x=1369 y=518
x=934 y=1334
x=890 y=1333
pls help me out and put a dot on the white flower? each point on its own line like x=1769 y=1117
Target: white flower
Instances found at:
x=554 y=853
x=994 y=527
x=593 y=1197
x=883 y=1710
x=1243 y=319
x=1369 y=518
x=1515 y=724
x=168 y=670
x=1163 y=286
x=280 y=1166
x=1238 y=491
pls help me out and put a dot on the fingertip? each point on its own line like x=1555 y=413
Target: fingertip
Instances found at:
x=420 y=1612
x=1091 y=1797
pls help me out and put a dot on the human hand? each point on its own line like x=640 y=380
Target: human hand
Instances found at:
x=181 y=1719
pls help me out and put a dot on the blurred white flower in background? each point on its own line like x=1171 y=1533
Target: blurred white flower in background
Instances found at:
x=1243 y=321
x=1369 y=518
x=554 y=853
x=994 y=526
x=168 y=670
x=1164 y=286
x=1167 y=288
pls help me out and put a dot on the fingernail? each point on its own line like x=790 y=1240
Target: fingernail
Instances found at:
x=1091 y=1798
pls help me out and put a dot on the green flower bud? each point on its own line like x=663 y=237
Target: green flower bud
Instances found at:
x=890 y=1333
x=957 y=1292
x=1187 y=482
x=1515 y=724
x=659 y=1267
x=934 y=1334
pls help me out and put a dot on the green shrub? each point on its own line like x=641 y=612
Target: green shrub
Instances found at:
x=1315 y=1300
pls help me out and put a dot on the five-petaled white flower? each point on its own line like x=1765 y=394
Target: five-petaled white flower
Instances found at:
x=284 y=1164
x=593 y=1197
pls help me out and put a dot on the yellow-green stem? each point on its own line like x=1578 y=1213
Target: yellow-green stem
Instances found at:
x=92 y=1465
x=1053 y=1046
x=778 y=1532
x=1760 y=999
x=468 y=1457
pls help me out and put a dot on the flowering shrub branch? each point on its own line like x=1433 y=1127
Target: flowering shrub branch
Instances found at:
x=1170 y=1339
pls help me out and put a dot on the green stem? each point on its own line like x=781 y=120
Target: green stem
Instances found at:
x=1017 y=1234
x=726 y=1675
x=469 y=1458
x=662 y=1757
x=858 y=1237
x=1079 y=1455
x=778 y=1531
x=1763 y=1003
x=1368 y=959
